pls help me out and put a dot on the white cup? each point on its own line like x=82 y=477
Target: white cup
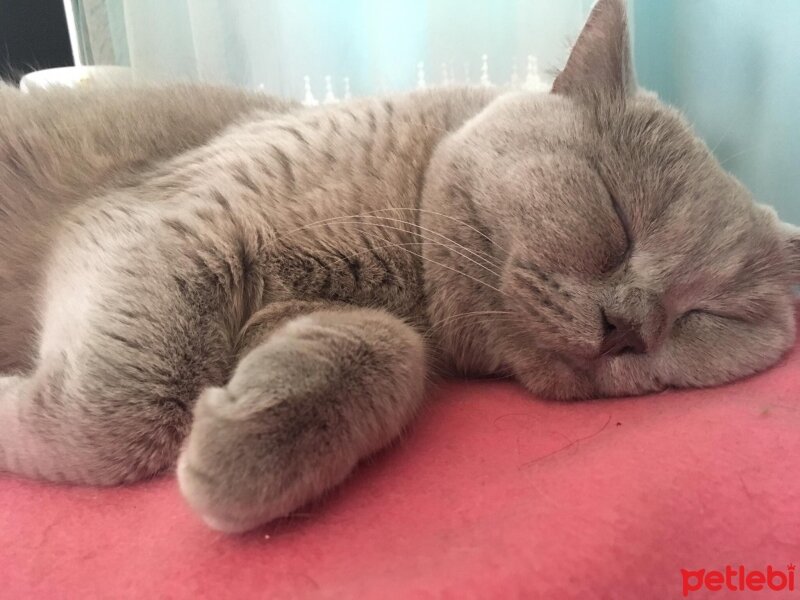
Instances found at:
x=100 y=75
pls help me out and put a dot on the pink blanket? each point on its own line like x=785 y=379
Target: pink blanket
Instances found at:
x=491 y=494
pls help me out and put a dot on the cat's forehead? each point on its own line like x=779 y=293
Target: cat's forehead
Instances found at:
x=654 y=138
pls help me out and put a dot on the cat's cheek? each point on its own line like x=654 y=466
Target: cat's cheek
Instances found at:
x=555 y=380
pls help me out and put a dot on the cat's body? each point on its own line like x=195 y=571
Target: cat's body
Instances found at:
x=163 y=277
x=304 y=271
x=60 y=148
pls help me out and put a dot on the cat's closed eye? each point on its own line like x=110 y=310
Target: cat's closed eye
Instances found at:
x=700 y=313
x=690 y=314
x=617 y=261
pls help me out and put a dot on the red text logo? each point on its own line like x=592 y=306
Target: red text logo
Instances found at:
x=738 y=579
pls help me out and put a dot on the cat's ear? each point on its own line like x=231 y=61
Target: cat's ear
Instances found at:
x=599 y=65
x=791 y=234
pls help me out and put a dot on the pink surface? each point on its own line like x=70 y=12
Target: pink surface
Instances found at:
x=491 y=494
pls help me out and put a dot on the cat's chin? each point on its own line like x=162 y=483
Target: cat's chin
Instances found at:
x=560 y=379
x=627 y=376
x=555 y=379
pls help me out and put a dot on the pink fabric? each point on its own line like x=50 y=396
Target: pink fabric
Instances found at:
x=492 y=494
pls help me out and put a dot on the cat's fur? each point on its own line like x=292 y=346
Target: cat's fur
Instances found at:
x=273 y=296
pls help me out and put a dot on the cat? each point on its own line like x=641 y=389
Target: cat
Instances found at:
x=262 y=292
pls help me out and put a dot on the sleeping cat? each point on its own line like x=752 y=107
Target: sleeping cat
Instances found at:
x=262 y=292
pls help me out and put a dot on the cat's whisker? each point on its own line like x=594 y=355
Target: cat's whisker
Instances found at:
x=362 y=223
x=481 y=255
x=400 y=210
x=343 y=220
x=732 y=156
x=734 y=123
x=449 y=268
x=469 y=314
x=509 y=232
x=382 y=247
x=329 y=220
x=450 y=248
x=460 y=221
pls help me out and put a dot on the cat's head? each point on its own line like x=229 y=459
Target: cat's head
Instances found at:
x=602 y=249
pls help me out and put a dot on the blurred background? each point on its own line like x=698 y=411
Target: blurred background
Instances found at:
x=733 y=66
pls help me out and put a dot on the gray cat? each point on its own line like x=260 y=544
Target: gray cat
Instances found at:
x=262 y=292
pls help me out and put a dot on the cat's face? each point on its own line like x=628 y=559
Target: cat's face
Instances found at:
x=626 y=259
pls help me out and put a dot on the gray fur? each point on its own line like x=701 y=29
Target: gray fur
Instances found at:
x=270 y=287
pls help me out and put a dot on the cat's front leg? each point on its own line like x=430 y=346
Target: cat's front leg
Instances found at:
x=318 y=394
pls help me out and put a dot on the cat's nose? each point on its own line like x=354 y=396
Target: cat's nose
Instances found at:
x=620 y=336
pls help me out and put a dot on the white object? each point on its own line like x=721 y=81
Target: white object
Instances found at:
x=485 y=82
x=329 y=97
x=421 y=85
x=308 y=98
x=347 y=94
x=100 y=75
x=534 y=81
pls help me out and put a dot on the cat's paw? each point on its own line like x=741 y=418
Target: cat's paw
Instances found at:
x=241 y=471
x=298 y=414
